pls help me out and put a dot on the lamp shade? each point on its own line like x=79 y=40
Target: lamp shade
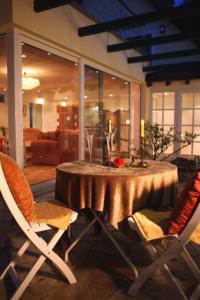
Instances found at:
x=29 y=83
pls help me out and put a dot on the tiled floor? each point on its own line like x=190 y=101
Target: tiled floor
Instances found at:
x=101 y=272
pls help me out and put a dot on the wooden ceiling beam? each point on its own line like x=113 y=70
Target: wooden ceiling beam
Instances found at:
x=148 y=41
x=187 y=66
x=164 y=55
x=139 y=20
x=42 y=5
x=172 y=76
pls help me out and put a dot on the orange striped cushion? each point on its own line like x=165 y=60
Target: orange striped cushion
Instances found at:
x=18 y=186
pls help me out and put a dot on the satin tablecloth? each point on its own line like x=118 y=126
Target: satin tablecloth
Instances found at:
x=120 y=191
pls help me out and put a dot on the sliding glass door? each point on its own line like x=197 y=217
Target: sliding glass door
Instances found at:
x=106 y=98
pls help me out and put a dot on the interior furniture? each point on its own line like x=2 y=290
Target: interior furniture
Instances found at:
x=4 y=145
x=55 y=147
x=174 y=229
x=33 y=218
x=30 y=134
x=67 y=117
x=119 y=192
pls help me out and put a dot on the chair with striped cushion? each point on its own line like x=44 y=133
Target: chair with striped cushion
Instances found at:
x=33 y=218
x=174 y=229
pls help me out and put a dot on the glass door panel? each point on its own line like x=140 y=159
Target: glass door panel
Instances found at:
x=50 y=86
x=4 y=139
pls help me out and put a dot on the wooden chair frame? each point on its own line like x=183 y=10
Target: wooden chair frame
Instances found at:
x=31 y=230
x=176 y=246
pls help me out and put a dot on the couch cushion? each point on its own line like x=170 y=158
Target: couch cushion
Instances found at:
x=185 y=206
x=50 y=135
x=18 y=186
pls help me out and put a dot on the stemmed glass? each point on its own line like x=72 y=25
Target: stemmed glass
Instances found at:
x=109 y=142
x=89 y=134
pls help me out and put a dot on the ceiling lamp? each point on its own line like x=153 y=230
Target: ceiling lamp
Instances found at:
x=29 y=83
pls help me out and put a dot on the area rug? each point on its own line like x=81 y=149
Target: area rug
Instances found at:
x=39 y=173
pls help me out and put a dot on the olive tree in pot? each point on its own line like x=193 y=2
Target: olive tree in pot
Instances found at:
x=157 y=141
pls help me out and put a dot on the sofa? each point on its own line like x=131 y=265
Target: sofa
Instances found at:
x=55 y=147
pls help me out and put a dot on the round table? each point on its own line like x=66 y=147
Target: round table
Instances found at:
x=117 y=191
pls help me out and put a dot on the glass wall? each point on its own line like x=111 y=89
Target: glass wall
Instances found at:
x=190 y=120
x=106 y=98
x=4 y=144
x=50 y=107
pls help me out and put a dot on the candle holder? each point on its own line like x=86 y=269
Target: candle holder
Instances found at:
x=142 y=163
x=109 y=135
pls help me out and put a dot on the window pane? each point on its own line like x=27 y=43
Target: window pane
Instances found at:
x=187 y=150
x=168 y=100
x=197 y=100
x=187 y=100
x=197 y=131
x=187 y=117
x=196 y=148
x=157 y=116
x=157 y=100
x=197 y=117
x=169 y=117
x=186 y=128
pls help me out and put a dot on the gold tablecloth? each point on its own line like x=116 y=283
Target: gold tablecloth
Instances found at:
x=120 y=191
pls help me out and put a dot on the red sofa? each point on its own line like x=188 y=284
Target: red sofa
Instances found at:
x=55 y=147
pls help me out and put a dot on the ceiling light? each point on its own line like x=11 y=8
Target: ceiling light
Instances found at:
x=85 y=97
x=63 y=103
x=111 y=95
x=48 y=53
x=23 y=55
x=113 y=78
x=29 y=83
x=40 y=100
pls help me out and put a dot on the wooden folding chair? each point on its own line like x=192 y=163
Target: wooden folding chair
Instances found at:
x=149 y=224
x=47 y=216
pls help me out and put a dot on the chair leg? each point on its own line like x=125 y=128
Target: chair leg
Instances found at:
x=173 y=283
x=47 y=252
x=10 y=269
x=190 y=263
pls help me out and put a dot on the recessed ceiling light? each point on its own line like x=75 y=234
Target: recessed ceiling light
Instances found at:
x=97 y=71
x=76 y=64
x=126 y=82
x=113 y=78
x=111 y=95
x=85 y=97
x=48 y=53
x=23 y=55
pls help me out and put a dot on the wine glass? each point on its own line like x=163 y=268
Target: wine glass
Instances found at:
x=89 y=134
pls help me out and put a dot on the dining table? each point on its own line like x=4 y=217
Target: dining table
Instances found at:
x=118 y=192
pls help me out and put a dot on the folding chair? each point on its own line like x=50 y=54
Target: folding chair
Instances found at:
x=151 y=227
x=46 y=216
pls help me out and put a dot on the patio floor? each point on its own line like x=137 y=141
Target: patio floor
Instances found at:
x=100 y=270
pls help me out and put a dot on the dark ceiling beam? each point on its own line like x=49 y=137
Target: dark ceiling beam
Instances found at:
x=139 y=20
x=187 y=66
x=164 y=55
x=42 y=5
x=172 y=76
x=148 y=41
